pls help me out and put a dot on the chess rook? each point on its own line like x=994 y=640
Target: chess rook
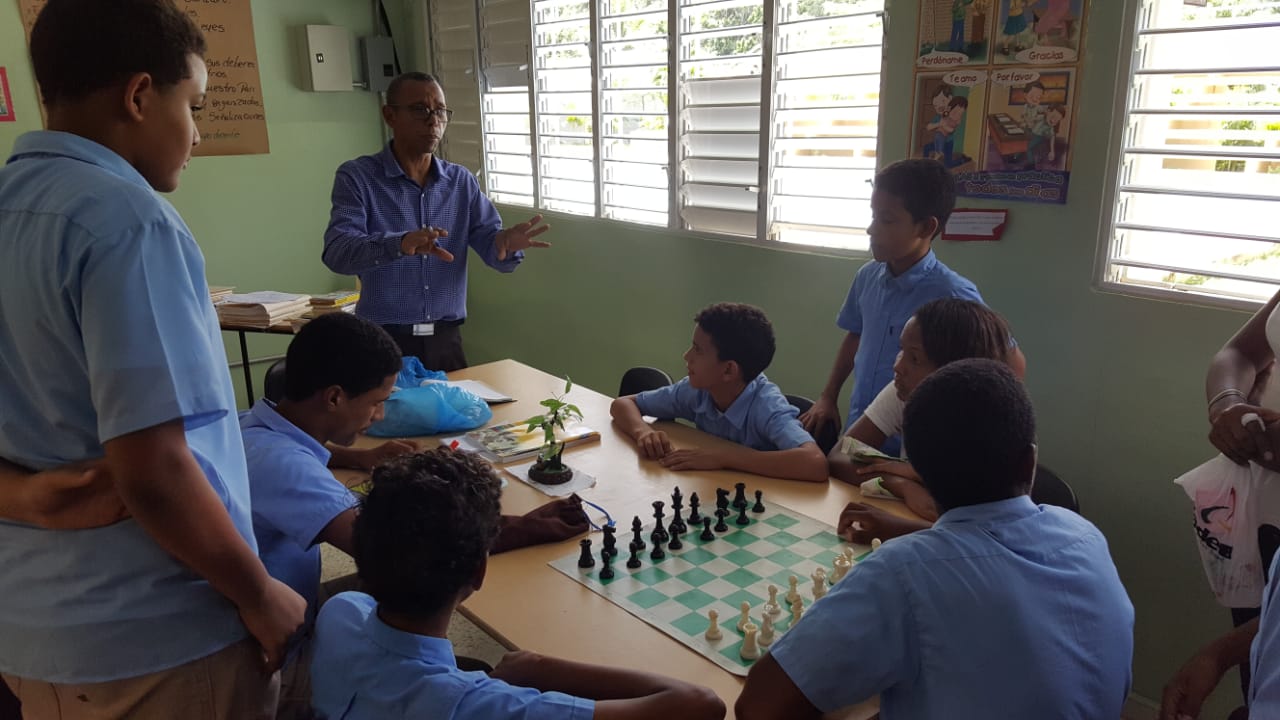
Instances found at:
x=586 y=560
x=740 y=495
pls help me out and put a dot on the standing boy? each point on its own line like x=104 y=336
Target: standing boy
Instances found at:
x=111 y=350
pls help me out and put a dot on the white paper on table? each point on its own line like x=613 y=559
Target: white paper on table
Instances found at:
x=581 y=481
x=477 y=388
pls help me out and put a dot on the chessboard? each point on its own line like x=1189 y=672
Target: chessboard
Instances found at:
x=676 y=592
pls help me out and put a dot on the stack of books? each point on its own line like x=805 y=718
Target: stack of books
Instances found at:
x=219 y=293
x=512 y=442
x=261 y=309
x=337 y=301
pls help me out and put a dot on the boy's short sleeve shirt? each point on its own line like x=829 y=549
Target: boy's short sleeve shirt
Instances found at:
x=760 y=417
x=105 y=329
x=363 y=669
x=295 y=496
x=877 y=307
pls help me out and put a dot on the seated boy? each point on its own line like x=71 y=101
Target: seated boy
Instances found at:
x=340 y=370
x=910 y=204
x=726 y=394
x=1004 y=609
x=422 y=543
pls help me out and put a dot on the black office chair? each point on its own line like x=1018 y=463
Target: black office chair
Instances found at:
x=639 y=379
x=828 y=435
x=273 y=383
x=1049 y=489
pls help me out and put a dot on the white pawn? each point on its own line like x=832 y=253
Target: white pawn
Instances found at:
x=750 y=650
x=875 y=543
x=793 y=595
x=819 y=577
x=842 y=566
x=771 y=608
x=713 y=630
x=848 y=555
x=797 y=609
x=746 y=616
x=766 y=632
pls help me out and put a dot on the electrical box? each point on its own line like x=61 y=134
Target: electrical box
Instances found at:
x=379 y=56
x=328 y=60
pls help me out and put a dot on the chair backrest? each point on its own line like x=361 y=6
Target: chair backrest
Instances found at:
x=273 y=383
x=1049 y=489
x=827 y=435
x=639 y=379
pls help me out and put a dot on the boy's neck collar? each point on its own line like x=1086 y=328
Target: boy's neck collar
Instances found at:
x=436 y=626
x=898 y=267
x=723 y=396
x=304 y=418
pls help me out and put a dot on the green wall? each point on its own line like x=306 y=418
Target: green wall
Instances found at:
x=260 y=219
x=1117 y=381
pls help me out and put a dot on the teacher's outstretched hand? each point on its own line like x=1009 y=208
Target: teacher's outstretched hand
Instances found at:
x=521 y=237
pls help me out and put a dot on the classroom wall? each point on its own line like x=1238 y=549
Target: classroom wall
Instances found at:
x=1117 y=381
x=259 y=219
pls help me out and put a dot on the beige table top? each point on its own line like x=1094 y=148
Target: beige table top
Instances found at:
x=527 y=604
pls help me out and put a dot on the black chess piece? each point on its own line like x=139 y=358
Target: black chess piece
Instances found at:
x=661 y=532
x=633 y=562
x=675 y=543
x=759 y=506
x=695 y=517
x=585 y=560
x=706 y=530
x=606 y=572
x=610 y=542
x=721 y=514
x=677 y=498
x=743 y=519
x=740 y=496
x=636 y=526
x=722 y=499
x=657 y=553
x=677 y=526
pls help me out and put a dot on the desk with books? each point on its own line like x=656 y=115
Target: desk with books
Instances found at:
x=526 y=603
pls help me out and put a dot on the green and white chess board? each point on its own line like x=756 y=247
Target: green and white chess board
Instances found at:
x=674 y=594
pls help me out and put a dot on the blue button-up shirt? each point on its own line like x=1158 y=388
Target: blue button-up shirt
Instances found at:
x=295 y=496
x=877 y=307
x=364 y=669
x=760 y=418
x=1001 y=610
x=375 y=203
x=105 y=329
x=1264 y=656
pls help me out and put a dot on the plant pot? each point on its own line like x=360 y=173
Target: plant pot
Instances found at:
x=550 y=473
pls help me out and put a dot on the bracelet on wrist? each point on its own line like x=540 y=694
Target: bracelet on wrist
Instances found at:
x=1226 y=393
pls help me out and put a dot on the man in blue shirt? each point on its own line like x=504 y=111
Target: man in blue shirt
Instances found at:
x=422 y=541
x=1003 y=609
x=110 y=350
x=727 y=395
x=910 y=205
x=402 y=221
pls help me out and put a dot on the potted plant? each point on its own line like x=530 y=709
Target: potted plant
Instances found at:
x=549 y=469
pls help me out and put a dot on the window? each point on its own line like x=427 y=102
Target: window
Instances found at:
x=453 y=27
x=754 y=119
x=1198 y=165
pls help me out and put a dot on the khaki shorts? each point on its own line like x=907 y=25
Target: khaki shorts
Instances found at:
x=227 y=685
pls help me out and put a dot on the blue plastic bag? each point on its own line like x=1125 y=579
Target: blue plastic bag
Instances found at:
x=415 y=409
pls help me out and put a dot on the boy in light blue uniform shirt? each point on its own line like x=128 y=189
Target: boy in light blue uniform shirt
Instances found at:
x=910 y=205
x=726 y=394
x=422 y=540
x=1003 y=609
x=110 y=351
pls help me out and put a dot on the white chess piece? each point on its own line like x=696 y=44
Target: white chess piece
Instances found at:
x=875 y=543
x=819 y=578
x=713 y=630
x=771 y=608
x=797 y=609
x=842 y=566
x=746 y=616
x=766 y=632
x=848 y=555
x=750 y=650
x=793 y=595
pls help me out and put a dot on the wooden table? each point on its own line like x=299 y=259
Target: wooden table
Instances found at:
x=527 y=604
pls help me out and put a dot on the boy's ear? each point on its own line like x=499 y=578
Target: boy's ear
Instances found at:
x=929 y=227
x=333 y=396
x=136 y=95
x=732 y=370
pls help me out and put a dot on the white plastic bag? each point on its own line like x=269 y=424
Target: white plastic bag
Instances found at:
x=1229 y=504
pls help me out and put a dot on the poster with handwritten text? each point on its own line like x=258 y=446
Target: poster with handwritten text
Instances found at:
x=234 y=120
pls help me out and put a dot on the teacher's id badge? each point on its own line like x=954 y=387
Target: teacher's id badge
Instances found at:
x=424 y=329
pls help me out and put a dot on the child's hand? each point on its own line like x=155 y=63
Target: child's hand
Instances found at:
x=273 y=619
x=79 y=496
x=375 y=456
x=861 y=524
x=518 y=667
x=1186 y=692
x=824 y=411
x=1240 y=441
x=693 y=459
x=653 y=444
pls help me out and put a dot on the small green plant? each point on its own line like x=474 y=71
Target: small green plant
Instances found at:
x=557 y=412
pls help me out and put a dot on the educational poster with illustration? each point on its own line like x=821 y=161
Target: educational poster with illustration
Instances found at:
x=954 y=32
x=1003 y=121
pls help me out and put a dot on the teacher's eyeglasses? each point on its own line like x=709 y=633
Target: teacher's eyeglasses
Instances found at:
x=421 y=111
